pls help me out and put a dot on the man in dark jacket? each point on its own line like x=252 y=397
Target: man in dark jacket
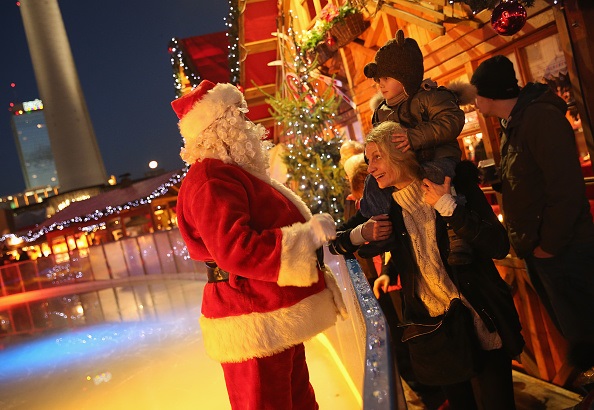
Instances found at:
x=544 y=200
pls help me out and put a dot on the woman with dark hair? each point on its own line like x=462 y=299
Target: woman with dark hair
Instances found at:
x=419 y=215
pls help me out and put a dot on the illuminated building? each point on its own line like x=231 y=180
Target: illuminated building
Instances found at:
x=33 y=145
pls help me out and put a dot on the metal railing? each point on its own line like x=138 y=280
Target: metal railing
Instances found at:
x=362 y=342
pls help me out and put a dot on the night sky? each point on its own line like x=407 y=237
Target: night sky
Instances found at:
x=121 y=53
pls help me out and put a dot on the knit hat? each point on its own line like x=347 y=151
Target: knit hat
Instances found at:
x=495 y=78
x=203 y=105
x=400 y=58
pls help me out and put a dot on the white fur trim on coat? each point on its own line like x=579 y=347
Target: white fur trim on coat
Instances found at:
x=212 y=106
x=332 y=285
x=298 y=265
x=298 y=258
x=235 y=339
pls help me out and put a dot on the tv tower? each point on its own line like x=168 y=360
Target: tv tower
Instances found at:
x=74 y=146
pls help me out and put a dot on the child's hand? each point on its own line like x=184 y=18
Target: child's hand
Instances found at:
x=401 y=140
x=435 y=191
x=377 y=228
x=382 y=283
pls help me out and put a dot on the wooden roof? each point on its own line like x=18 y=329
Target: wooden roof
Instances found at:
x=452 y=38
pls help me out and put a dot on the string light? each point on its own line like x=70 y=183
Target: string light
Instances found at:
x=183 y=74
x=232 y=23
x=98 y=214
x=182 y=71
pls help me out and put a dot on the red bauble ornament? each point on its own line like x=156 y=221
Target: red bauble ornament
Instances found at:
x=508 y=18
x=330 y=41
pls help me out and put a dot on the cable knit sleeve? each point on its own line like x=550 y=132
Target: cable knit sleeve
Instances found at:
x=343 y=245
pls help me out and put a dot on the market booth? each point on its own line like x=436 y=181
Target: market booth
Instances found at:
x=547 y=43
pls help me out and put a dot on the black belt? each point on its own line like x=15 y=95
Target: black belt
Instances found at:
x=215 y=274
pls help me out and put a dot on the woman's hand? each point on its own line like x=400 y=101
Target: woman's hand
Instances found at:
x=435 y=191
x=377 y=228
x=382 y=284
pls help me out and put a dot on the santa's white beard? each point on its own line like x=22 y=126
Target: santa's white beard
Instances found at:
x=234 y=140
x=251 y=152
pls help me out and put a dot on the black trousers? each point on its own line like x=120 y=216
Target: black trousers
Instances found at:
x=491 y=389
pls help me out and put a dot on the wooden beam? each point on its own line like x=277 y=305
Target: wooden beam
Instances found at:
x=411 y=18
x=464 y=22
x=430 y=5
x=439 y=2
x=448 y=38
x=437 y=15
x=267 y=122
x=479 y=43
x=261 y=46
x=463 y=38
x=390 y=26
x=459 y=10
x=253 y=93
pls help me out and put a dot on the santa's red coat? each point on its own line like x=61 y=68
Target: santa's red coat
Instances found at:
x=254 y=228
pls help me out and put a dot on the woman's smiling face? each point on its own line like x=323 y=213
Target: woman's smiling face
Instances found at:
x=379 y=166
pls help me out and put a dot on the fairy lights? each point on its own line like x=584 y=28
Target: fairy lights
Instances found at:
x=232 y=23
x=183 y=75
x=98 y=214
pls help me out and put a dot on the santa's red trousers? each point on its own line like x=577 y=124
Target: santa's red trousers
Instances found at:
x=275 y=382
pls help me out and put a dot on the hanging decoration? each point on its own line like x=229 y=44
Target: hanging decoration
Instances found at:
x=336 y=27
x=508 y=18
x=304 y=109
x=479 y=5
x=348 y=25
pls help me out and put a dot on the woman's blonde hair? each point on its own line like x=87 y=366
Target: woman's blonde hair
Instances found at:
x=405 y=164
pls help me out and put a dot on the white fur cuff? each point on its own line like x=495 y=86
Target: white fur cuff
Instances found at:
x=298 y=257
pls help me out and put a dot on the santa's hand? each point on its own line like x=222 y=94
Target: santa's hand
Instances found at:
x=323 y=229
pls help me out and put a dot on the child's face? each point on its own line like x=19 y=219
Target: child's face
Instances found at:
x=379 y=167
x=390 y=87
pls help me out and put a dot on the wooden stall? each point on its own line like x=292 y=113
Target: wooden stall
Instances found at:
x=551 y=47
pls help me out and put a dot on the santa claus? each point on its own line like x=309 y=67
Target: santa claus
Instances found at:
x=267 y=291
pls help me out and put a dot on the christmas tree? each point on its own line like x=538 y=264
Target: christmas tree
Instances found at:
x=304 y=109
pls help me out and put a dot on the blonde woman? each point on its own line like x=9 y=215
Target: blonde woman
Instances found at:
x=419 y=214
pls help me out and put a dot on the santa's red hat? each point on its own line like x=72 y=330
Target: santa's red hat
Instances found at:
x=202 y=106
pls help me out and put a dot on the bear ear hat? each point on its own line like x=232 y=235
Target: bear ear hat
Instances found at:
x=399 y=38
x=400 y=58
x=370 y=70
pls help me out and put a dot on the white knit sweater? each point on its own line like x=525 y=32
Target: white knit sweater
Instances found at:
x=434 y=286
